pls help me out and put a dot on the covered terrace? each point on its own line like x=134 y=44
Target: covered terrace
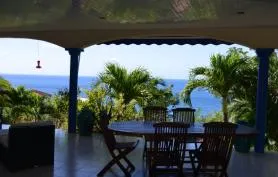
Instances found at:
x=77 y=24
x=85 y=156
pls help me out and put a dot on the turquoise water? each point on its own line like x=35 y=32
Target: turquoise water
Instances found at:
x=201 y=99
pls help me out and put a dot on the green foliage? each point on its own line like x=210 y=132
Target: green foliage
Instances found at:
x=122 y=111
x=235 y=76
x=5 y=87
x=61 y=100
x=136 y=85
x=213 y=117
x=98 y=100
x=39 y=107
x=125 y=92
x=272 y=122
x=4 y=84
x=24 y=105
x=120 y=82
x=85 y=120
x=219 y=79
x=243 y=106
x=18 y=105
x=60 y=106
x=159 y=95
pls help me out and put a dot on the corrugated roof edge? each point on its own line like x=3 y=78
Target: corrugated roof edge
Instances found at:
x=169 y=41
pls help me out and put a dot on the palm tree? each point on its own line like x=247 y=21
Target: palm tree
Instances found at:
x=219 y=78
x=39 y=106
x=243 y=107
x=25 y=105
x=18 y=101
x=129 y=85
x=127 y=89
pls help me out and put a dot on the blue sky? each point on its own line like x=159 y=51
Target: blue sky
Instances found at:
x=19 y=56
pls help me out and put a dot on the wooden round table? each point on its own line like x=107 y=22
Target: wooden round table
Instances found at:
x=143 y=128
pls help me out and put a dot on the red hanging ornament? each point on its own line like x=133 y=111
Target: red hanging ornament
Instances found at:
x=38 y=64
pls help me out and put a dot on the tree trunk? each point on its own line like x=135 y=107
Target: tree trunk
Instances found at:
x=225 y=109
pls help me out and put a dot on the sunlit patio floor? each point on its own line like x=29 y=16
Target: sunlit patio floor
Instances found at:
x=77 y=156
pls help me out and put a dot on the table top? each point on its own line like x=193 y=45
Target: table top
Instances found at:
x=141 y=128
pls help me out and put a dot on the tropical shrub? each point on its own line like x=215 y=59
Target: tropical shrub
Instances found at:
x=24 y=105
x=85 y=121
x=213 y=117
x=98 y=99
x=18 y=105
x=121 y=111
x=159 y=95
x=60 y=106
x=5 y=87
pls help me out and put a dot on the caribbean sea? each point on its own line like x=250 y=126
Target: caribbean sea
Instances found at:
x=202 y=100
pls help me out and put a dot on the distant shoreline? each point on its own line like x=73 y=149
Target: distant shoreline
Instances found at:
x=50 y=75
x=51 y=84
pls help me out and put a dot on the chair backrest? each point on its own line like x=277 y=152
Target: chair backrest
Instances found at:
x=108 y=135
x=170 y=140
x=218 y=141
x=155 y=113
x=185 y=115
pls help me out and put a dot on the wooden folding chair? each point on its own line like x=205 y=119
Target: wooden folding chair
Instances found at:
x=216 y=149
x=123 y=148
x=153 y=114
x=167 y=148
x=186 y=115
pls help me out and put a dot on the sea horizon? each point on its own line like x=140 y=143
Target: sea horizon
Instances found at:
x=202 y=100
x=56 y=75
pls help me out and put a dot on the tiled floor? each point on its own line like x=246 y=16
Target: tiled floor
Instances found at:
x=84 y=156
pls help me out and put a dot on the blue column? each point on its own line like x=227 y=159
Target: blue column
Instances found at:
x=73 y=83
x=261 y=99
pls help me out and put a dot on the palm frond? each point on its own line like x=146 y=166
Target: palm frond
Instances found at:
x=4 y=84
x=198 y=71
x=192 y=85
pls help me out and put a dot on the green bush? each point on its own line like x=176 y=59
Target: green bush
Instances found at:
x=85 y=121
x=213 y=117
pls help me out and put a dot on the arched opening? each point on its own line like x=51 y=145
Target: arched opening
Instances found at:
x=136 y=61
